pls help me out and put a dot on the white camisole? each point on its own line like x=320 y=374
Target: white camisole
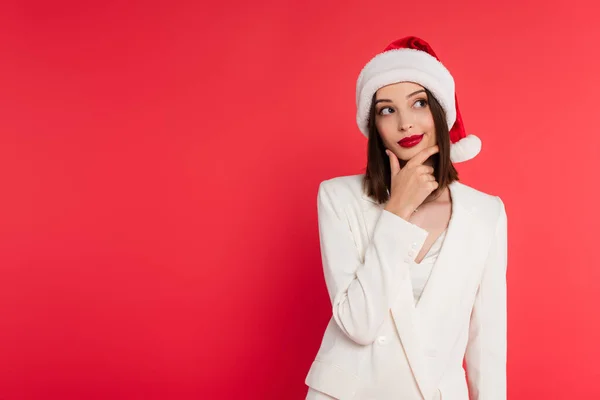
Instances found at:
x=419 y=273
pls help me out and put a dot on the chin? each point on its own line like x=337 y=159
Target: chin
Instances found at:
x=407 y=154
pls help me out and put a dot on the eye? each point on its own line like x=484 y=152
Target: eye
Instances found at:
x=422 y=103
x=384 y=108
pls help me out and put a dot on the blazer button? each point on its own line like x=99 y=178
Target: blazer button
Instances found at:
x=382 y=340
x=411 y=253
x=407 y=260
x=414 y=245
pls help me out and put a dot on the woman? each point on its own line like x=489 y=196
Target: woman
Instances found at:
x=414 y=261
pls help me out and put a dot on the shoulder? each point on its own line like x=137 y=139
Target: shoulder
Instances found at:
x=342 y=189
x=486 y=205
x=341 y=184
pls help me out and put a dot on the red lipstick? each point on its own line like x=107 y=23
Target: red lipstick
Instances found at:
x=411 y=140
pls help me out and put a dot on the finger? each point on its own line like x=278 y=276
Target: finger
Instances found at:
x=394 y=163
x=425 y=169
x=423 y=155
x=427 y=178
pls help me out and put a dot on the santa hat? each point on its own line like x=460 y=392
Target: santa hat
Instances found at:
x=411 y=59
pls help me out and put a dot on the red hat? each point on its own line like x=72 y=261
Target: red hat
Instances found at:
x=411 y=59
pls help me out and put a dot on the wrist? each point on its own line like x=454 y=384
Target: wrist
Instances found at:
x=403 y=212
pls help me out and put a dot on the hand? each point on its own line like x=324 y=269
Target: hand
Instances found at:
x=412 y=183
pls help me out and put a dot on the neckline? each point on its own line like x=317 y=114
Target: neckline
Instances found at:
x=444 y=232
x=434 y=245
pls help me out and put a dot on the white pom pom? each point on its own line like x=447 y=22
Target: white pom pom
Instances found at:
x=465 y=149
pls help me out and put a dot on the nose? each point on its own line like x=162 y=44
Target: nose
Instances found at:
x=404 y=124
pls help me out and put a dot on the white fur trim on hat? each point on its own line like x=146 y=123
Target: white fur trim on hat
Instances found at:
x=465 y=149
x=404 y=65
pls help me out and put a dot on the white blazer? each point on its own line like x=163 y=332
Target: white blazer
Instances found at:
x=378 y=343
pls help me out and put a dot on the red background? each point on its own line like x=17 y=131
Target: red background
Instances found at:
x=159 y=168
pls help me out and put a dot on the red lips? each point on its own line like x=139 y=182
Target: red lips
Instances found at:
x=411 y=140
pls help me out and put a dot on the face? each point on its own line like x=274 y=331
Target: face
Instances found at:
x=404 y=120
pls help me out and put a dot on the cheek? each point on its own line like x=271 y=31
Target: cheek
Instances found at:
x=384 y=124
x=385 y=128
x=429 y=126
x=427 y=121
x=432 y=138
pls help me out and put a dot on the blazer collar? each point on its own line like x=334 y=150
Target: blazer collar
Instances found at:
x=458 y=191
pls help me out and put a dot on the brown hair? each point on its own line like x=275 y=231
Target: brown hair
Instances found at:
x=377 y=179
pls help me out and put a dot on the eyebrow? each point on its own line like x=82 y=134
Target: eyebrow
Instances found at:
x=408 y=97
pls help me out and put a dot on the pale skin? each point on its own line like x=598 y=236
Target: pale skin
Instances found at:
x=402 y=110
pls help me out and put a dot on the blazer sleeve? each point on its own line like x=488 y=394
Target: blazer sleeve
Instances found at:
x=486 y=351
x=362 y=289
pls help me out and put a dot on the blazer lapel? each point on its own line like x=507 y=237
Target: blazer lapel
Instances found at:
x=407 y=317
x=408 y=326
x=457 y=243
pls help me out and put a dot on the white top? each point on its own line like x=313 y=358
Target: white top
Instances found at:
x=419 y=273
